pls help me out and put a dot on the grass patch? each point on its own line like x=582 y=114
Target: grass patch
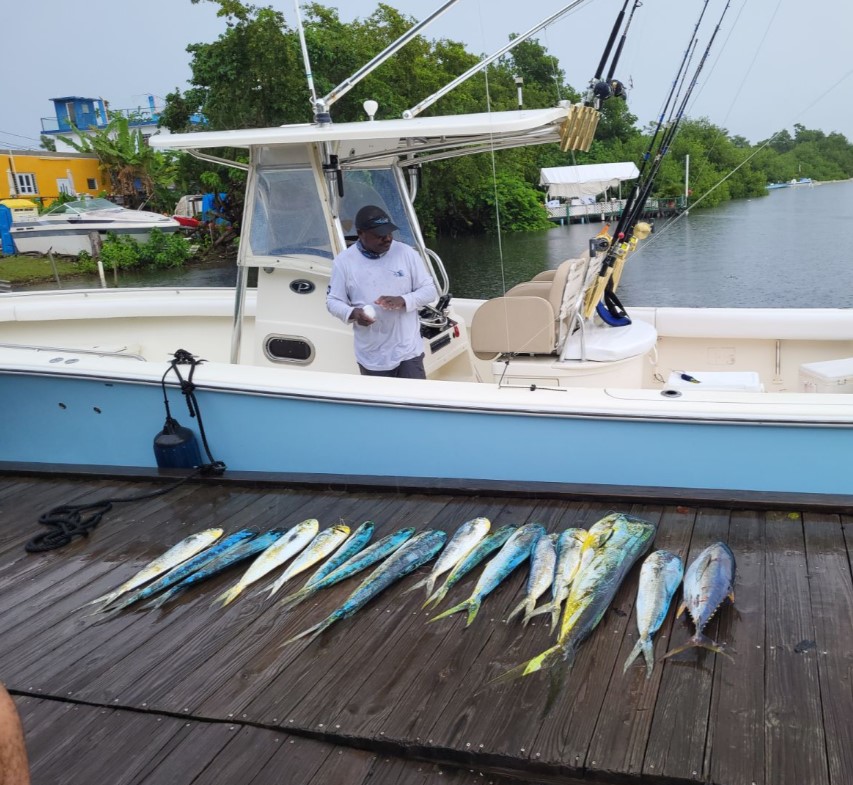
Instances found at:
x=31 y=269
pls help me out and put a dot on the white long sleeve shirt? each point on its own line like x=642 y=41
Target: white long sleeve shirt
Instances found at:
x=357 y=281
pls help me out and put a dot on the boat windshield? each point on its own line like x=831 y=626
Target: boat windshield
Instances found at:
x=82 y=206
x=378 y=187
x=287 y=216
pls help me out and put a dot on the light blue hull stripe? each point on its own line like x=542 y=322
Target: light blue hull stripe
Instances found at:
x=92 y=422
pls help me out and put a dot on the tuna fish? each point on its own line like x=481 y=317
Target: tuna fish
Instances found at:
x=285 y=548
x=515 y=550
x=413 y=554
x=466 y=538
x=708 y=582
x=489 y=544
x=660 y=577
x=541 y=576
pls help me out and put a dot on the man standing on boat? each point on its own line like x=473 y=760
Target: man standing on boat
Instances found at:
x=379 y=285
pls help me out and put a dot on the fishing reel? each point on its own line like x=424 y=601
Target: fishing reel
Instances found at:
x=434 y=319
x=602 y=90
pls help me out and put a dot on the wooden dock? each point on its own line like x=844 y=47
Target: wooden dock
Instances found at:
x=193 y=694
x=611 y=209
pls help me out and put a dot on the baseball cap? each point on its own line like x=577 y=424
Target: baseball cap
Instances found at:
x=374 y=219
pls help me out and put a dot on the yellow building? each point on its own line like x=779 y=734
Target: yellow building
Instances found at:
x=42 y=175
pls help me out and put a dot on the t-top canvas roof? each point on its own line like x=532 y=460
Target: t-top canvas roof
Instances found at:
x=587 y=180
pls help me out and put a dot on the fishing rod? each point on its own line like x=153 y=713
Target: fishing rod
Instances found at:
x=671 y=99
x=637 y=4
x=601 y=89
x=672 y=130
x=635 y=204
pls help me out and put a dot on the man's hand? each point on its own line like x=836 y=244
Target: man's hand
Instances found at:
x=391 y=302
x=359 y=317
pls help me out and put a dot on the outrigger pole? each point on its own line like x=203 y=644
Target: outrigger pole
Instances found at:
x=429 y=101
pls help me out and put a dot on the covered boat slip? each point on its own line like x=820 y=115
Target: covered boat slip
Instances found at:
x=193 y=694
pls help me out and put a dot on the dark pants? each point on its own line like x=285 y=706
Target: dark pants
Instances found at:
x=408 y=369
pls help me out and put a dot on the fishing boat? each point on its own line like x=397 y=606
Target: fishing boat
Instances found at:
x=540 y=387
x=67 y=228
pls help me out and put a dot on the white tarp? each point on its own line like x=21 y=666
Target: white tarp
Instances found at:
x=587 y=180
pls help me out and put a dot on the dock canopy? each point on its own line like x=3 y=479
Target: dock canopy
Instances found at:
x=587 y=180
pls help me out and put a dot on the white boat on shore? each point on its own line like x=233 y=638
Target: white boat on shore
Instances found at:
x=67 y=228
x=531 y=388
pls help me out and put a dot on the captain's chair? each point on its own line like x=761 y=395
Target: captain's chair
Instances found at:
x=533 y=317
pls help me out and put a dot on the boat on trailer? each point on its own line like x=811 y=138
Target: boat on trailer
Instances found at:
x=530 y=387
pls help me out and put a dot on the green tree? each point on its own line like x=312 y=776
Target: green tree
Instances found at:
x=136 y=172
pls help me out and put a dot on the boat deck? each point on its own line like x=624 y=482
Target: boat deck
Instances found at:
x=192 y=694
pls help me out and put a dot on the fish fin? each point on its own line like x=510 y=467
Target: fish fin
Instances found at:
x=555 y=615
x=473 y=610
x=436 y=597
x=543 y=661
x=417 y=586
x=464 y=605
x=160 y=600
x=681 y=609
x=274 y=588
x=698 y=641
x=522 y=606
x=546 y=608
x=314 y=631
x=642 y=646
x=292 y=600
x=731 y=595
x=228 y=596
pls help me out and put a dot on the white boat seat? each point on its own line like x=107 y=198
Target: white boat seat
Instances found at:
x=602 y=343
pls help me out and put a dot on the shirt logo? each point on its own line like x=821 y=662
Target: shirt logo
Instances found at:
x=398 y=273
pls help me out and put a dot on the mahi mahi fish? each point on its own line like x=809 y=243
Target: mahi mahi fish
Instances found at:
x=487 y=545
x=708 y=582
x=621 y=541
x=540 y=578
x=185 y=549
x=360 y=561
x=241 y=552
x=318 y=549
x=660 y=577
x=515 y=550
x=569 y=548
x=177 y=574
x=413 y=554
x=286 y=547
x=466 y=538
x=355 y=544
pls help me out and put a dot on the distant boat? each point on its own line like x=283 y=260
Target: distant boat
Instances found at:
x=771 y=186
x=65 y=228
x=801 y=181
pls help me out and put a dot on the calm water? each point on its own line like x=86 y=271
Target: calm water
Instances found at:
x=788 y=249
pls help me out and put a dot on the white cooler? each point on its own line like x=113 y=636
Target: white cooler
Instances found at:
x=731 y=381
x=831 y=376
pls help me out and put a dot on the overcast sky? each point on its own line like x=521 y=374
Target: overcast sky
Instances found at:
x=775 y=63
